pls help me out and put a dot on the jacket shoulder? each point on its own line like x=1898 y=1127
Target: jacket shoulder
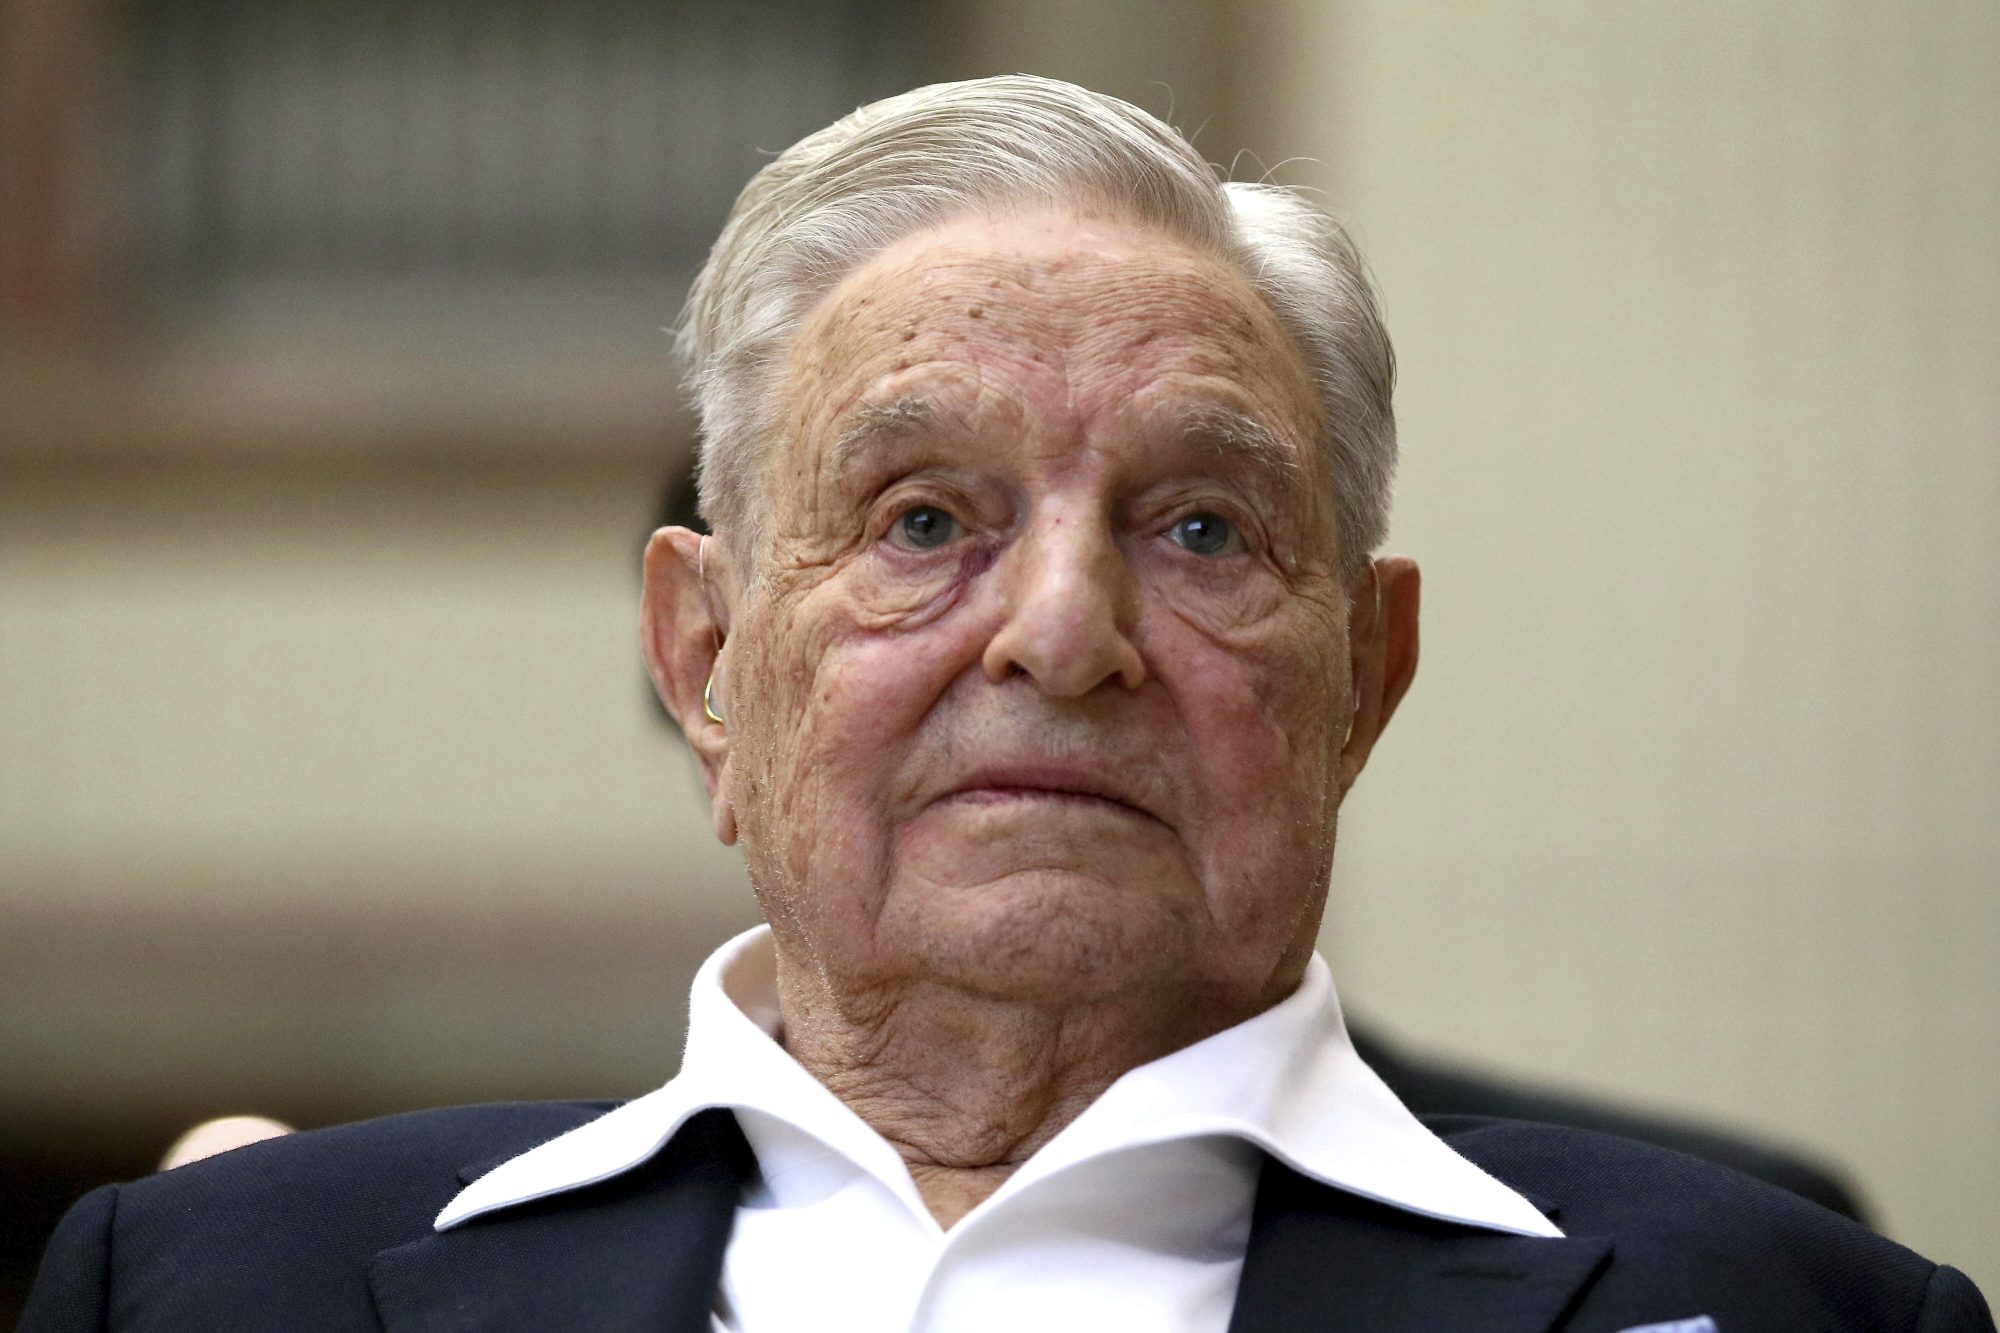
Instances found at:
x=281 y=1230
x=1432 y=1086
x=381 y=1177
x=1742 y=1247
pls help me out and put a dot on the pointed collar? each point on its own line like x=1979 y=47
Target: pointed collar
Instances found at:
x=1287 y=1081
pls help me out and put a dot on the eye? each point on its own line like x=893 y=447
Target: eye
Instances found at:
x=1205 y=534
x=923 y=528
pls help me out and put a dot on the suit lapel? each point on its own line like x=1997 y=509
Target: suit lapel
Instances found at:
x=641 y=1250
x=1322 y=1259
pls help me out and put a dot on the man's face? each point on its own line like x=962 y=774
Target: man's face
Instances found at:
x=1038 y=687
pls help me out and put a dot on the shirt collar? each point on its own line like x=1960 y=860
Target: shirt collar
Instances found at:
x=1288 y=1081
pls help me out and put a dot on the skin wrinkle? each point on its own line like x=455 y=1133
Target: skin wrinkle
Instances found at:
x=968 y=975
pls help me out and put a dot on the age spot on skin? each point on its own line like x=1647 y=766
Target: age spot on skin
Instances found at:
x=975 y=312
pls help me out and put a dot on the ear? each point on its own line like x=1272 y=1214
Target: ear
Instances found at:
x=1382 y=608
x=683 y=622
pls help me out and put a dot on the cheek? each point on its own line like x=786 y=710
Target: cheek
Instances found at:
x=1270 y=660
x=851 y=696
x=828 y=778
x=804 y=770
x=1268 y=738
x=871 y=692
x=1263 y=710
x=900 y=594
x=1233 y=613
x=1243 y=605
x=1267 y=860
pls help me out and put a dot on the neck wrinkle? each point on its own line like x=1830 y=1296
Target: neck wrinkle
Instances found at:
x=967 y=1088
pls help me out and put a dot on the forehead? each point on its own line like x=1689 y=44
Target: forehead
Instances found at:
x=1060 y=323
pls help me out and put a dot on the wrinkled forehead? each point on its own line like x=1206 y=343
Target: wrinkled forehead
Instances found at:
x=1049 y=323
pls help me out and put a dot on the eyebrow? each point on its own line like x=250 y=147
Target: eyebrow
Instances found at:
x=1228 y=432
x=875 y=425
x=1236 y=435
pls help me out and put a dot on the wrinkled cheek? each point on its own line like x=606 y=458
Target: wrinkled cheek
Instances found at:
x=804 y=847
x=1232 y=612
x=824 y=764
x=1271 y=784
x=1269 y=695
x=766 y=709
x=1271 y=863
x=885 y=604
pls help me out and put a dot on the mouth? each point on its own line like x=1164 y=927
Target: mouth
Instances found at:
x=1051 y=785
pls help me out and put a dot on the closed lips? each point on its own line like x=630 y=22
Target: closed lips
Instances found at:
x=1046 y=783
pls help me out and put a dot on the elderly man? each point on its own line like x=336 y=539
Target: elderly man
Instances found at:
x=1038 y=643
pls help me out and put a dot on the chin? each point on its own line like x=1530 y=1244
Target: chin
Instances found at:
x=1044 y=937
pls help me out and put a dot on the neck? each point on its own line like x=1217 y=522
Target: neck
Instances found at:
x=968 y=1087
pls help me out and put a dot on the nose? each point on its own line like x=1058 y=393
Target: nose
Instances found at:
x=1070 y=609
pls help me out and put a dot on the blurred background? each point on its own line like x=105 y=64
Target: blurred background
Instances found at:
x=335 y=404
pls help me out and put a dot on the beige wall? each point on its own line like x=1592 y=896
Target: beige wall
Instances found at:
x=332 y=784
x=1698 y=307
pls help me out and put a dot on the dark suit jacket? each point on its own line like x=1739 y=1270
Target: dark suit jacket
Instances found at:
x=1430 y=1086
x=332 y=1230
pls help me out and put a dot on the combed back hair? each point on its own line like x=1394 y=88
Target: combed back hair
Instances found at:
x=838 y=197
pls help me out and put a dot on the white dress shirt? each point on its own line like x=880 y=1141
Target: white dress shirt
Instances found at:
x=1135 y=1215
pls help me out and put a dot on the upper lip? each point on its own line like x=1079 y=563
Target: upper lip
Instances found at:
x=1058 y=777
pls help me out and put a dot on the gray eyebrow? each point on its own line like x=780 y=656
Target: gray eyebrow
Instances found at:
x=873 y=425
x=1224 y=430
x=1233 y=433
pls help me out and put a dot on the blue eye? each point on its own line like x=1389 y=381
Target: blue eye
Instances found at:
x=923 y=528
x=1204 y=534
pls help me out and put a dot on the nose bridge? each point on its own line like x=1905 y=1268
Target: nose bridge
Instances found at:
x=1072 y=570
x=1070 y=606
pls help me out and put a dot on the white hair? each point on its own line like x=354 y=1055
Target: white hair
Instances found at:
x=837 y=197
